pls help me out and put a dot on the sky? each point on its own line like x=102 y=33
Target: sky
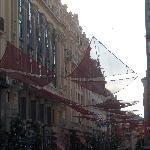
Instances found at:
x=120 y=26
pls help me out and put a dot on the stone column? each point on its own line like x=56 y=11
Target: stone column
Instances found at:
x=59 y=59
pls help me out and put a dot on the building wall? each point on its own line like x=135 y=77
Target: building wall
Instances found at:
x=37 y=28
x=147 y=80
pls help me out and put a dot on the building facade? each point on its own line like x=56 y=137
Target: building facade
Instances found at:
x=146 y=81
x=40 y=39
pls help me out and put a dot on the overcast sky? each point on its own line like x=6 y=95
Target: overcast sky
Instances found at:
x=120 y=26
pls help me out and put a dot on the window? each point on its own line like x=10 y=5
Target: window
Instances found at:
x=53 y=115
x=50 y=115
x=82 y=100
x=39 y=38
x=33 y=110
x=21 y=23
x=93 y=102
x=54 y=51
x=20 y=29
x=47 y=46
x=38 y=18
x=29 y=28
x=20 y=5
x=78 y=98
x=30 y=10
x=49 y=118
x=1 y=24
x=22 y=108
x=41 y=113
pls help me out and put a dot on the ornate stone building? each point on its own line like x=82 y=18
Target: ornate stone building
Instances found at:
x=40 y=42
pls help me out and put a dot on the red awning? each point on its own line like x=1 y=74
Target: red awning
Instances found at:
x=91 y=118
x=49 y=95
x=17 y=63
x=116 y=111
x=79 y=108
x=87 y=72
x=21 y=67
x=94 y=86
x=111 y=104
x=29 y=79
x=88 y=68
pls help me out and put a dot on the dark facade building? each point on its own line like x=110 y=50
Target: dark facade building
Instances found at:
x=146 y=81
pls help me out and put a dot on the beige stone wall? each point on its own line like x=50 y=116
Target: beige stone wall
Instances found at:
x=9 y=13
x=68 y=36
